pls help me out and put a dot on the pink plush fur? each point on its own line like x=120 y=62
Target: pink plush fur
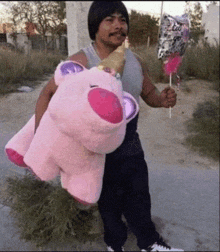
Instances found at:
x=19 y=144
x=85 y=119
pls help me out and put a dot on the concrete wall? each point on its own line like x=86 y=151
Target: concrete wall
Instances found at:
x=77 y=27
x=22 y=42
x=211 y=22
x=35 y=43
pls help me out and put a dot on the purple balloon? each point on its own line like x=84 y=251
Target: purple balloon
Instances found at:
x=71 y=67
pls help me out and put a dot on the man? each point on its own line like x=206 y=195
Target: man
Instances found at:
x=125 y=183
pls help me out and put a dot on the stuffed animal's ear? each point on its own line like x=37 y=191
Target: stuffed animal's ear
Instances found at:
x=66 y=68
x=130 y=105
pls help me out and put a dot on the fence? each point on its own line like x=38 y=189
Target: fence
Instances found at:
x=36 y=42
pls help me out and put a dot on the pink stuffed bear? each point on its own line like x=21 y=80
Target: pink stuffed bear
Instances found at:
x=85 y=119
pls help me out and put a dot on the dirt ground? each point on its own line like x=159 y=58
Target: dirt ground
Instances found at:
x=162 y=137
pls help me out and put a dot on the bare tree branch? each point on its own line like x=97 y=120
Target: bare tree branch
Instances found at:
x=47 y=16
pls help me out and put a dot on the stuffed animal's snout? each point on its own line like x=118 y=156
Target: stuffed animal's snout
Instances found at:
x=106 y=104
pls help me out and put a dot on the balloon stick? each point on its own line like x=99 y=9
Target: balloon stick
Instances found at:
x=170 y=86
x=172 y=50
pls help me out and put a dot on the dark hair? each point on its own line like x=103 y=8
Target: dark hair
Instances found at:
x=100 y=10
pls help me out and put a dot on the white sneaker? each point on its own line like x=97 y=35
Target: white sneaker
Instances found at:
x=158 y=248
x=160 y=245
x=111 y=249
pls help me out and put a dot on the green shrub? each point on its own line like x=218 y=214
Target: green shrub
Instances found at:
x=45 y=212
x=204 y=129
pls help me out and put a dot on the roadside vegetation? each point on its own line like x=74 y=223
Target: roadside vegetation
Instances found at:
x=203 y=129
x=47 y=217
x=17 y=69
x=202 y=62
x=199 y=62
x=45 y=212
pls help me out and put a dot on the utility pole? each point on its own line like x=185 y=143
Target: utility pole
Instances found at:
x=161 y=14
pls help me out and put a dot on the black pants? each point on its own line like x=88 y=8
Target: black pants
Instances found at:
x=126 y=191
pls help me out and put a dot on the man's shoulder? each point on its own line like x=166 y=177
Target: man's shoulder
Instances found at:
x=140 y=60
x=80 y=57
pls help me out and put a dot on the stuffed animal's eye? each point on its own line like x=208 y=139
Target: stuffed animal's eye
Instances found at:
x=92 y=86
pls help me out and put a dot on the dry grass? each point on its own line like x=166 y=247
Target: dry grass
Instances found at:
x=201 y=62
x=203 y=129
x=149 y=55
x=44 y=212
x=17 y=69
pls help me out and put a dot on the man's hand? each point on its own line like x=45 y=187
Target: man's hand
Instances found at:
x=168 y=97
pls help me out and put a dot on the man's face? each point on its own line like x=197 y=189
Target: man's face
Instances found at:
x=112 y=30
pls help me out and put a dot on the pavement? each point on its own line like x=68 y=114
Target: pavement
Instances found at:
x=185 y=207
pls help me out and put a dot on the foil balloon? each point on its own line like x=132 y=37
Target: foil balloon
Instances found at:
x=174 y=36
x=173 y=40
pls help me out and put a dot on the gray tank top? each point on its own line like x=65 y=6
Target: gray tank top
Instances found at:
x=132 y=78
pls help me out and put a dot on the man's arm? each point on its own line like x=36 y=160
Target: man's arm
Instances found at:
x=43 y=101
x=151 y=95
x=51 y=87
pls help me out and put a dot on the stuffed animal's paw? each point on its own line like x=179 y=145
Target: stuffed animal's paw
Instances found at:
x=16 y=158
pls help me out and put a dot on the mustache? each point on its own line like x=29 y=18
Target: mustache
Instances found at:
x=118 y=32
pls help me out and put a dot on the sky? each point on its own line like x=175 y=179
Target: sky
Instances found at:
x=154 y=7
x=151 y=7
